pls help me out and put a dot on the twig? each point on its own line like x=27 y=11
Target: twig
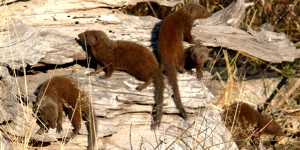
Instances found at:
x=130 y=136
x=279 y=85
x=289 y=93
x=211 y=133
x=230 y=83
x=252 y=18
x=180 y=136
x=293 y=89
x=202 y=122
x=291 y=111
x=152 y=9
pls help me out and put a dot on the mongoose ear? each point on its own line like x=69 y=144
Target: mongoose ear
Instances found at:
x=188 y=50
x=191 y=50
x=192 y=9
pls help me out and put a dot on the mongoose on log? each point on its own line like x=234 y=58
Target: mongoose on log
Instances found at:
x=246 y=122
x=195 y=57
x=132 y=58
x=174 y=29
x=60 y=94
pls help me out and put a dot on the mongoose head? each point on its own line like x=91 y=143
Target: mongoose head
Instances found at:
x=196 y=11
x=199 y=54
x=48 y=112
x=92 y=37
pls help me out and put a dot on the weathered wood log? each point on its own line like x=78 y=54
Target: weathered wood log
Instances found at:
x=29 y=45
x=123 y=114
x=22 y=44
x=230 y=16
x=265 y=45
x=119 y=107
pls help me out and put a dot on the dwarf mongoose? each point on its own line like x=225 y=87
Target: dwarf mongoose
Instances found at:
x=174 y=29
x=195 y=57
x=132 y=58
x=246 y=121
x=59 y=94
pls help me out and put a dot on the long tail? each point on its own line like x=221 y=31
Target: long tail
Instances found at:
x=159 y=85
x=88 y=115
x=171 y=73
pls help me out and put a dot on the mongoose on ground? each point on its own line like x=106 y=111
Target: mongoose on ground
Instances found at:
x=60 y=94
x=247 y=122
x=174 y=29
x=132 y=58
x=195 y=57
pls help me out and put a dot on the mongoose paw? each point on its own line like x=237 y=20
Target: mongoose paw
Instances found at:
x=140 y=87
x=190 y=72
x=74 y=134
x=59 y=131
x=103 y=77
x=199 y=75
x=184 y=115
x=181 y=70
x=106 y=75
x=40 y=131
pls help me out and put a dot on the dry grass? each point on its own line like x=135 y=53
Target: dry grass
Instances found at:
x=282 y=15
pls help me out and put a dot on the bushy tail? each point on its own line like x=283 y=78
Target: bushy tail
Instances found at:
x=171 y=73
x=159 y=85
x=88 y=115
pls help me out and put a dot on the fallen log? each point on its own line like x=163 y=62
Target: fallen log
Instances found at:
x=46 y=35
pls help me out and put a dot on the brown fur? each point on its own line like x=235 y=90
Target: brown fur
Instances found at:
x=195 y=57
x=132 y=58
x=246 y=121
x=58 y=94
x=174 y=29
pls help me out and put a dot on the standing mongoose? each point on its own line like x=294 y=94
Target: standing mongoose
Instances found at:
x=132 y=58
x=246 y=122
x=60 y=94
x=174 y=29
x=195 y=57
